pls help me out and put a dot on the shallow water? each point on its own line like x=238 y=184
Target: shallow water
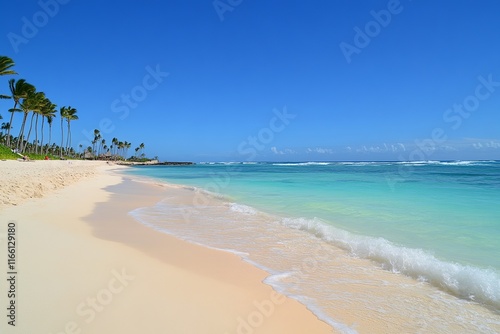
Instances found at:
x=332 y=233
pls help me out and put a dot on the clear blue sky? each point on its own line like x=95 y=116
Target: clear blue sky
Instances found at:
x=358 y=88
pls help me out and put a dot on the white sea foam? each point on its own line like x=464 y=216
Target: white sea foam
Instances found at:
x=418 y=163
x=235 y=207
x=444 y=163
x=461 y=163
x=229 y=162
x=209 y=193
x=275 y=279
x=467 y=282
x=343 y=328
x=311 y=163
x=362 y=163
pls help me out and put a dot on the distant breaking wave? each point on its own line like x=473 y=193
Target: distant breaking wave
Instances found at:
x=362 y=163
x=446 y=163
x=303 y=163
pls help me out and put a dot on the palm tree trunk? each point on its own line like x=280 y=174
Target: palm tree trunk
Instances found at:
x=10 y=124
x=41 y=141
x=29 y=133
x=68 y=136
x=20 y=138
x=62 y=138
x=36 y=134
x=50 y=137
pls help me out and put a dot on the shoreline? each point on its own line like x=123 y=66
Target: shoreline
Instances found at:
x=85 y=264
x=221 y=267
x=86 y=259
x=367 y=298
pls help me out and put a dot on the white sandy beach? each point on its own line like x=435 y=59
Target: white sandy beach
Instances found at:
x=83 y=265
x=22 y=180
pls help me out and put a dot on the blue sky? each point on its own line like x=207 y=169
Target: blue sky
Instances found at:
x=238 y=80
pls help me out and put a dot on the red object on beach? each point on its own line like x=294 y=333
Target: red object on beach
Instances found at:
x=46 y=158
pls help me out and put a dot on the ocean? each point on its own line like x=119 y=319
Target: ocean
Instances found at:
x=321 y=229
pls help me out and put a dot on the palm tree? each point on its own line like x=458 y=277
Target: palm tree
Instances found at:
x=103 y=143
x=5 y=64
x=50 y=119
x=120 y=147
x=4 y=126
x=141 y=148
x=35 y=104
x=48 y=111
x=97 y=136
x=43 y=105
x=19 y=90
x=63 y=112
x=127 y=146
x=29 y=103
x=70 y=116
x=114 y=141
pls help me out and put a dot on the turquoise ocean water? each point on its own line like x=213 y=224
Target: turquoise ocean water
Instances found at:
x=434 y=221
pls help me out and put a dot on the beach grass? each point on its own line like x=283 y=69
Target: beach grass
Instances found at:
x=7 y=154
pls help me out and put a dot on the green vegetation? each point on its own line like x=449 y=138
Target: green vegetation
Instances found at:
x=35 y=156
x=7 y=154
x=36 y=110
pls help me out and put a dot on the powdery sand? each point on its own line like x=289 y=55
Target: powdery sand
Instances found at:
x=22 y=180
x=85 y=266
